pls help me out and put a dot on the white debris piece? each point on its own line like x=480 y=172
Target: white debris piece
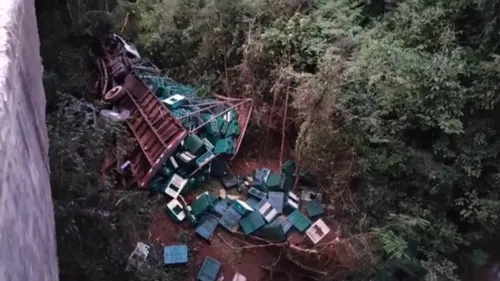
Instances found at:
x=239 y=277
x=175 y=186
x=317 y=231
x=138 y=256
x=308 y=195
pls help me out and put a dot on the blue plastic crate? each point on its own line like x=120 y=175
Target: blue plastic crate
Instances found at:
x=207 y=227
x=277 y=200
x=286 y=225
x=252 y=191
x=252 y=202
x=175 y=254
x=230 y=219
x=209 y=270
x=221 y=205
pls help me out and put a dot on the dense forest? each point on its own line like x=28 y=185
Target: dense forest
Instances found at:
x=392 y=104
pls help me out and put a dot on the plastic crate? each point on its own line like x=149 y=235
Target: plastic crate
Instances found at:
x=221 y=205
x=292 y=203
x=209 y=270
x=314 y=209
x=207 y=226
x=233 y=129
x=299 y=221
x=193 y=144
x=273 y=183
x=267 y=211
x=285 y=224
x=242 y=207
x=288 y=168
x=277 y=200
x=224 y=146
x=272 y=232
x=230 y=219
x=175 y=254
x=252 y=191
x=252 y=223
x=202 y=204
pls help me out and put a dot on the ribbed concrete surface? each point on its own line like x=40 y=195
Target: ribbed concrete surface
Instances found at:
x=27 y=242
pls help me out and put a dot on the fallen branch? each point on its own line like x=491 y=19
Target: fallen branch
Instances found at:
x=251 y=246
x=305 y=267
x=125 y=22
x=283 y=130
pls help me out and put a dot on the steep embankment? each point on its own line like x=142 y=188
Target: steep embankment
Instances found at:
x=27 y=246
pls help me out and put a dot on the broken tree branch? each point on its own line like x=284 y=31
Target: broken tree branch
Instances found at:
x=251 y=246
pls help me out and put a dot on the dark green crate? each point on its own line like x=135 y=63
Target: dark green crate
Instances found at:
x=272 y=232
x=288 y=168
x=274 y=182
x=203 y=204
x=251 y=223
x=193 y=144
x=287 y=182
x=299 y=221
x=224 y=146
x=233 y=129
x=314 y=209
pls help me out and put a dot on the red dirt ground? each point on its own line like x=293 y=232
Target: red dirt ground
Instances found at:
x=248 y=262
x=245 y=261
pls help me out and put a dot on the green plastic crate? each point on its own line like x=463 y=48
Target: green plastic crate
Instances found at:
x=242 y=207
x=288 y=168
x=314 y=209
x=272 y=232
x=274 y=182
x=301 y=222
x=251 y=223
x=233 y=129
x=193 y=144
x=286 y=182
x=224 y=146
x=203 y=204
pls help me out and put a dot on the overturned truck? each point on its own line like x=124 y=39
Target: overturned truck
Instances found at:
x=176 y=131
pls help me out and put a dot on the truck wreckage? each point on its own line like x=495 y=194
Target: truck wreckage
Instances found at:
x=162 y=115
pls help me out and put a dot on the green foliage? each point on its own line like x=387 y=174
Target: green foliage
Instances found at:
x=479 y=257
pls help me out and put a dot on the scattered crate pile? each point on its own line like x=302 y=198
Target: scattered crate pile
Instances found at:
x=211 y=131
x=261 y=205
